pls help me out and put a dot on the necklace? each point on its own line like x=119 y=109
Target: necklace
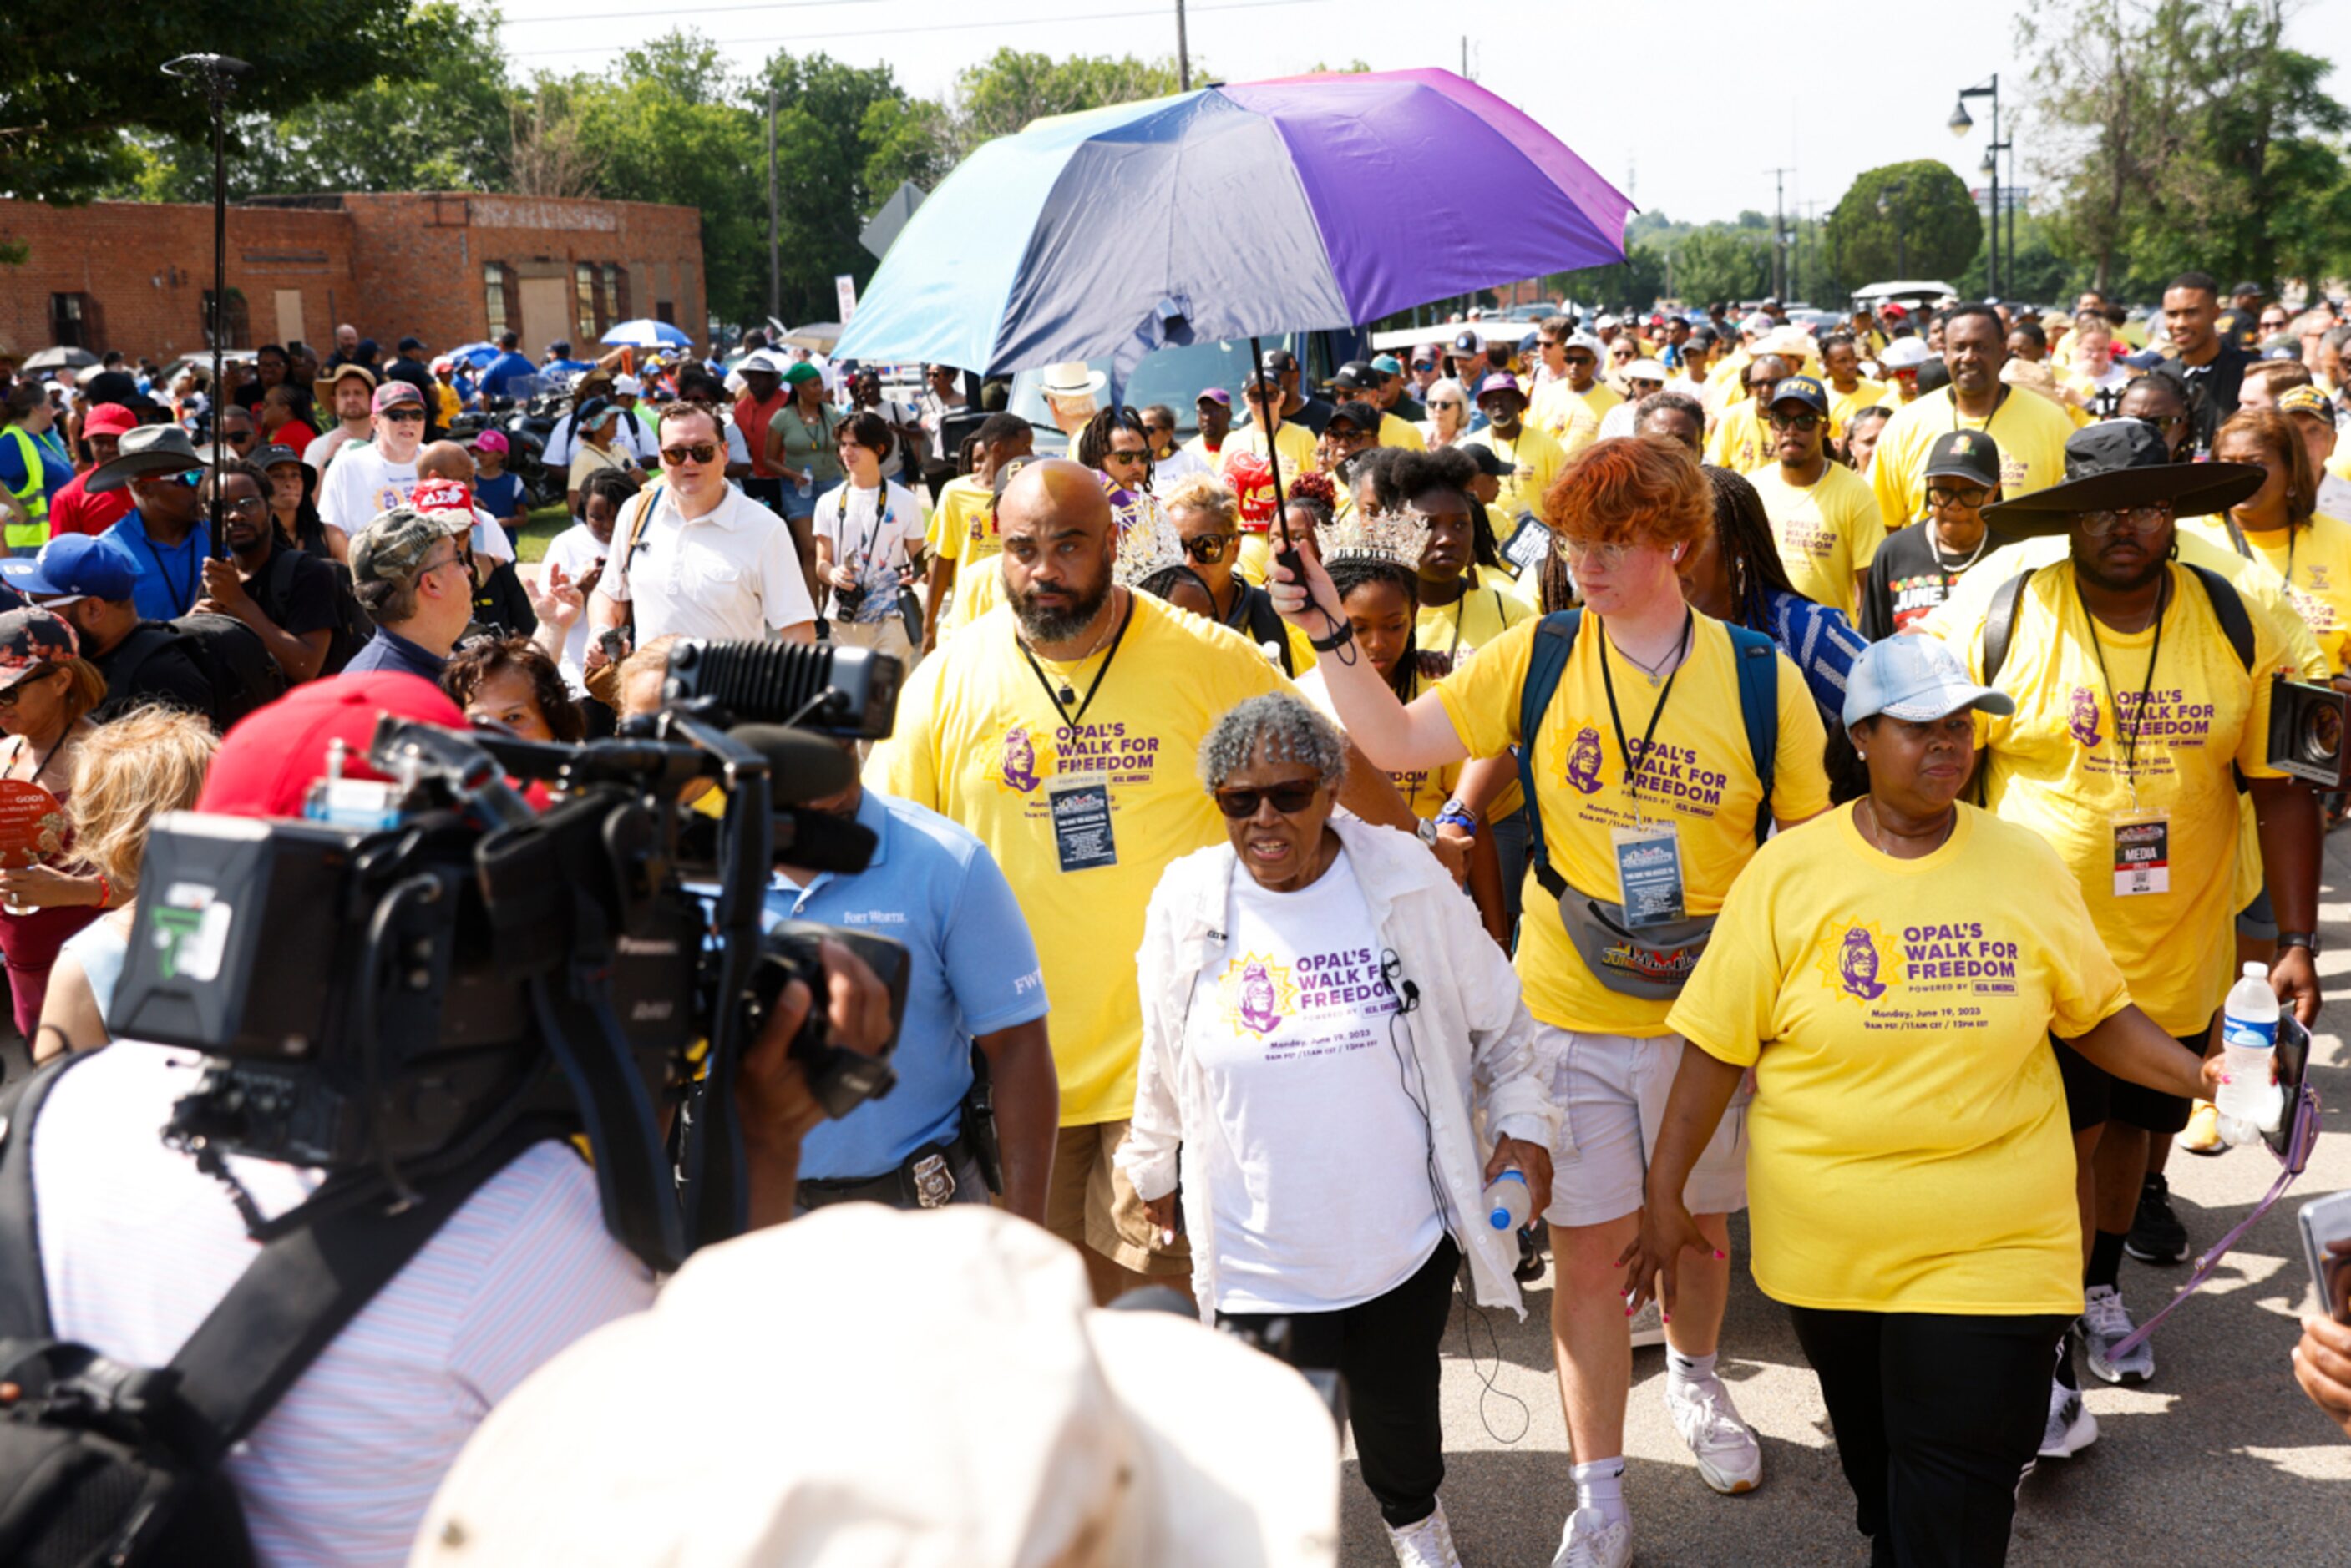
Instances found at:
x=1876 y=842
x=1934 y=548
x=1068 y=691
x=1672 y=656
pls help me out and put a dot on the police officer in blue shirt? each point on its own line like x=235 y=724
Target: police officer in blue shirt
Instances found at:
x=973 y=979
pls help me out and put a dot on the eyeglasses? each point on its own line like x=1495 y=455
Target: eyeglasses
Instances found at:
x=1807 y=420
x=1447 y=403
x=403 y=413
x=1289 y=799
x=1117 y=454
x=1944 y=495
x=237 y=438
x=8 y=700
x=1586 y=361
x=455 y=560
x=1206 y=547
x=249 y=506
x=2140 y=519
x=1608 y=557
x=701 y=451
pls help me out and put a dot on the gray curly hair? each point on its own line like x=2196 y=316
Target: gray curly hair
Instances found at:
x=1277 y=727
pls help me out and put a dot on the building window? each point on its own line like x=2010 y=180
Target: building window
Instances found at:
x=72 y=320
x=616 y=295
x=495 y=306
x=584 y=287
x=665 y=311
x=236 y=328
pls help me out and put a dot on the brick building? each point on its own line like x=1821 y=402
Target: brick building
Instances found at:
x=451 y=267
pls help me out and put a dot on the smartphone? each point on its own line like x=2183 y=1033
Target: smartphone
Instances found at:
x=2291 y=1061
x=614 y=640
x=2326 y=1244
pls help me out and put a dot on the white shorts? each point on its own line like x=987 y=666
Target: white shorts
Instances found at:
x=1611 y=1092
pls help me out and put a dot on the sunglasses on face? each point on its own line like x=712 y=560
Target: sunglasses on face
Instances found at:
x=1943 y=495
x=238 y=438
x=1289 y=799
x=1586 y=361
x=8 y=698
x=1806 y=421
x=2139 y=519
x=1206 y=547
x=701 y=451
x=403 y=414
x=1121 y=454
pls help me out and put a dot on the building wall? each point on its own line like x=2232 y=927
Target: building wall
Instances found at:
x=389 y=265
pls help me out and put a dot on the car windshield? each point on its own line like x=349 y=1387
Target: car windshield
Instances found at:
x=1175 y=376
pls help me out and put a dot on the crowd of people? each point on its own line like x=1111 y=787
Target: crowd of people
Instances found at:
x=1684 y=766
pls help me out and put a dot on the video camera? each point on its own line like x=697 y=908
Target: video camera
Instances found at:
x=386 y=986
x=2307 y=722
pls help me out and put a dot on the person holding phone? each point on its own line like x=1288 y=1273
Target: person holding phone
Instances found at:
x=2322 y=1361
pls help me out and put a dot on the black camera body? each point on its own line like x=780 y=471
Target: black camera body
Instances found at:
x=385 y=987
x=2307 y=724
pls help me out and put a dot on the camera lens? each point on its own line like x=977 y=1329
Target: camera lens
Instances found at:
x=2322 y=734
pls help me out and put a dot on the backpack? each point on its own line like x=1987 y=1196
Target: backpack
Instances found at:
x=1758 y=659
x=106 y=1463
x=233 y=659
x=1999 y=620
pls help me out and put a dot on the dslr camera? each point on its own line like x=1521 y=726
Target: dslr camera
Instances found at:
x=390 y=983
x=2307 y=722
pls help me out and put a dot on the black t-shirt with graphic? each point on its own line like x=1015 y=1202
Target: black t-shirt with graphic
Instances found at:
x=1909 y=578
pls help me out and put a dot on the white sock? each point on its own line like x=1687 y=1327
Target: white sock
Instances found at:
x=1601 y=1485
x=1689 y=1369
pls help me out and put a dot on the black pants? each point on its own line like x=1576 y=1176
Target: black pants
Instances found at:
x=1385 y=1350
x=1936 y=1417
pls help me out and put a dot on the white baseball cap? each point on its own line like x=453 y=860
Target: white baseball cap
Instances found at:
x=627 y=386
x=794 y=1396
x=1917 y=677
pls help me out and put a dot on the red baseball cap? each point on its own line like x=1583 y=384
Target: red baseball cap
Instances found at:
x=108 y=419
x=268 y=761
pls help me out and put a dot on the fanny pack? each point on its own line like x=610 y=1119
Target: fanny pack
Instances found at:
x=1653 y=963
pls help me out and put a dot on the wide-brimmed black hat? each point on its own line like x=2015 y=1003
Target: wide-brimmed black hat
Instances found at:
x=142 y=454
x=2120 y=464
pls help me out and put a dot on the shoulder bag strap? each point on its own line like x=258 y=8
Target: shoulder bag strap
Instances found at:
x=645 y=500
x=1999 y=624
x=23 y=1293
x=2229 y=610
x=1554 y=641
x=1759 y=706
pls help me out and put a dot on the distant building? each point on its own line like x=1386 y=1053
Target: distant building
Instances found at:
x=451 y=267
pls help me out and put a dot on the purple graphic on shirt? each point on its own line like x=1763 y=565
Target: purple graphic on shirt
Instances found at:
x=1019 y=769
x=1858 y=966
x=2082 y=721
x=1261 y=1008
x=1584 y=760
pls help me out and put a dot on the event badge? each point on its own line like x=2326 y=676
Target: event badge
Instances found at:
x=2142 y=852
x=32 y=827
x=1649 y=874
x=1081 y=832
x=1529 y=545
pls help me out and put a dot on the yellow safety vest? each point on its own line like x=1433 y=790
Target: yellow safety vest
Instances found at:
x=32 y=494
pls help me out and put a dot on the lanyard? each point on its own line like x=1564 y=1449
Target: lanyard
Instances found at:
x=1999 y=398
x=2147 y=687
x=883 y=511
x=1616 y=721
x=2245 y=546
x=1059 y=705
x=180 y=605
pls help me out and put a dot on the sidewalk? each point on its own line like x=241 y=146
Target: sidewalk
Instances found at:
x=2220 y=1461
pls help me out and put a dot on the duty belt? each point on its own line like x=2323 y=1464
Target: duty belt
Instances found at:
x=928 y=1179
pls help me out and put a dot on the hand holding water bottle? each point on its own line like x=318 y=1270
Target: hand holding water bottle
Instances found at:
x=2250 y=1101
x=1533 y=1163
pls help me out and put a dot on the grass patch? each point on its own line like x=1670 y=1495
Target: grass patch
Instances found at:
x=542 y=525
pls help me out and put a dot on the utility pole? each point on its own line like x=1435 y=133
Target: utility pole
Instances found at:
x=1465 y=56
x=775 y=245
x=1183 y=52
x=1779 y=235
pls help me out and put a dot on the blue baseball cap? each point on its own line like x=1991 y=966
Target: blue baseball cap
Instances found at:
x=1915 y=678
x=1387 y=365
x=73 y=567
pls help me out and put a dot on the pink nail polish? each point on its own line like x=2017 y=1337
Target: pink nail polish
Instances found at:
x=1628 y=1311
x=1720 y=1255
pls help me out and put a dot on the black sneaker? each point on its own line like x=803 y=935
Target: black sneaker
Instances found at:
x=2157 y=1236
x=1530 y=1258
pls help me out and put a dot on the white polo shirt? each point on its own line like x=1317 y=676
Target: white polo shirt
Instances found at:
x=733 y=573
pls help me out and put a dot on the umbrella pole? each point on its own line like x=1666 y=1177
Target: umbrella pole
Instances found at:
x=1272 y=452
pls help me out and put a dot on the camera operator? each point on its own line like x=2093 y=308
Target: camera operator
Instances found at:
x=138 y=1243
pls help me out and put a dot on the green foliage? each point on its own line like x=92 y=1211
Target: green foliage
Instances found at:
x=1723 y=263
x=83 y=81
x=1940 y=228
x=1009 y=89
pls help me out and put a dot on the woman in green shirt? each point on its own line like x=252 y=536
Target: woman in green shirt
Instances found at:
x=800 y=442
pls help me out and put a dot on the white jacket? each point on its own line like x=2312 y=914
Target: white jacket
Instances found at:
x=1466 y=1026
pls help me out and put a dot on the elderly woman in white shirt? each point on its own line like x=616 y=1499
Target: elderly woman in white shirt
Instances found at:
x=1321 y=1015
x=1448 y=414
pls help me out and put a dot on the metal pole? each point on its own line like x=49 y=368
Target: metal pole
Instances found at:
x=775 y=247
x=1992 y=256
x=1183 y=52
x=1464 y=54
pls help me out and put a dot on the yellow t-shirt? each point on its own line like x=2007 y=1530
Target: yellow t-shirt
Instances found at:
x=1401 y=433
x=1566 y=418
x=2029 y=430
x=1490 y=606
x=1702 y=782
x=980 y=740
x=1739 y=439
x=1866 y=394
x=1827 y=531
x=2057 y=766
x=1295 y=443
x=1198 y=447
x=1536 y=461
x=1425 y=790
x=963 y=527
x=2314 y=563
x=1907 y=1146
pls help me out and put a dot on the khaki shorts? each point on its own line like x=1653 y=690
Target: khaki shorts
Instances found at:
x=1093 y=1204
x=1611 y=1092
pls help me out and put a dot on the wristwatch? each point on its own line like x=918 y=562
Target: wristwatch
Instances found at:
x=1426 y=828
x=1459 y=816
x=2306 y=940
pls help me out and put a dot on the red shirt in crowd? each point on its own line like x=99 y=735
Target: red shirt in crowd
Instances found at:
x=751 y=418
x=293 y=433
x=73 y=509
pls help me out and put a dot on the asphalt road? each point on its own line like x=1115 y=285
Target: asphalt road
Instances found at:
x=2220 y=1460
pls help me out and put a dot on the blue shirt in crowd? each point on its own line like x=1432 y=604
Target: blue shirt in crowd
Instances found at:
x=502 y=369
x=933 y=887
x=390 y=650
x=171 y=576
x=501 y=498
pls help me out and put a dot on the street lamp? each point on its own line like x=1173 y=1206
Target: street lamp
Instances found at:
x=1962 y=123
x=1890 y=205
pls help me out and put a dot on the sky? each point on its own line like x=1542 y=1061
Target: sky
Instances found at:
x=1856 y=94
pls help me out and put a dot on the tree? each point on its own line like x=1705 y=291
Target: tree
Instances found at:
x=1005 y=92
x=1722 y=264
x=844 y=138
x=1939 y=229
x=79 y=78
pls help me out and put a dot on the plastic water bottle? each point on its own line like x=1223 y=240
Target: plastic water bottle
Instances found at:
x=1508 y=1201
x=2249 y=1025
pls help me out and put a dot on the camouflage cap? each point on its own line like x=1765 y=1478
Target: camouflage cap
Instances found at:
x=396 y=542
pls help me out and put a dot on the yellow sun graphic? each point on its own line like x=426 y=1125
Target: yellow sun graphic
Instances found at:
x=1859 y=963
x=1259 y=993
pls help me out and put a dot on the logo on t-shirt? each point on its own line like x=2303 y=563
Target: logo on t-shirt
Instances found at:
x=1023 y=765
x=1584 y=760
x=2082 y=716
x=1856 y=960
x=1259 y=993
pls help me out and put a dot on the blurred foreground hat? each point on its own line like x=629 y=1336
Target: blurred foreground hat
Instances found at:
x=2119 y=464
x=269 y=761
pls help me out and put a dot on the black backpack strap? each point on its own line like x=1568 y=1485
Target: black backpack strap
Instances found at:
x=300 y=1291
x=23 y=1293
x=2229 y=610
x=1999 y=624
x=1555 y=643
x=145 y=641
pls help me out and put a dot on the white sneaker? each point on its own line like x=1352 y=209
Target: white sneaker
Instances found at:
x=1728 y=1455
x=1590 y=1542
x=1429 y=1544
x=2070 y=1427
x=2104 y=1322
x=1648 y=1325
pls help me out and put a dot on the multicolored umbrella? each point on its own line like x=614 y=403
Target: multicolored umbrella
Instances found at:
x=1264 y=207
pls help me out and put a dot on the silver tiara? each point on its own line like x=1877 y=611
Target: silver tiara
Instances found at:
x=1396 y=537
x=1147 y=543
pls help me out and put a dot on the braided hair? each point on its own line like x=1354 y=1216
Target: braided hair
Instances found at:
x=1742 y=532
x=1093 y=441
x=1354 y=572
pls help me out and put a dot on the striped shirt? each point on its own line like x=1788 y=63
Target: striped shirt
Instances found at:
x=1822 y=643
x=138 y=1246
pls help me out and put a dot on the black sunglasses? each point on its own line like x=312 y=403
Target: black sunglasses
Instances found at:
x=1289 y=799
x=402 y=413
x=1206 y=546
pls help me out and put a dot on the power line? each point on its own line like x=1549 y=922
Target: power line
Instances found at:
x=1156 y=12
x=637 y=13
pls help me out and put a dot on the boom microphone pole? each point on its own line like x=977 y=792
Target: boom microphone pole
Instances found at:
x=218 y=73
